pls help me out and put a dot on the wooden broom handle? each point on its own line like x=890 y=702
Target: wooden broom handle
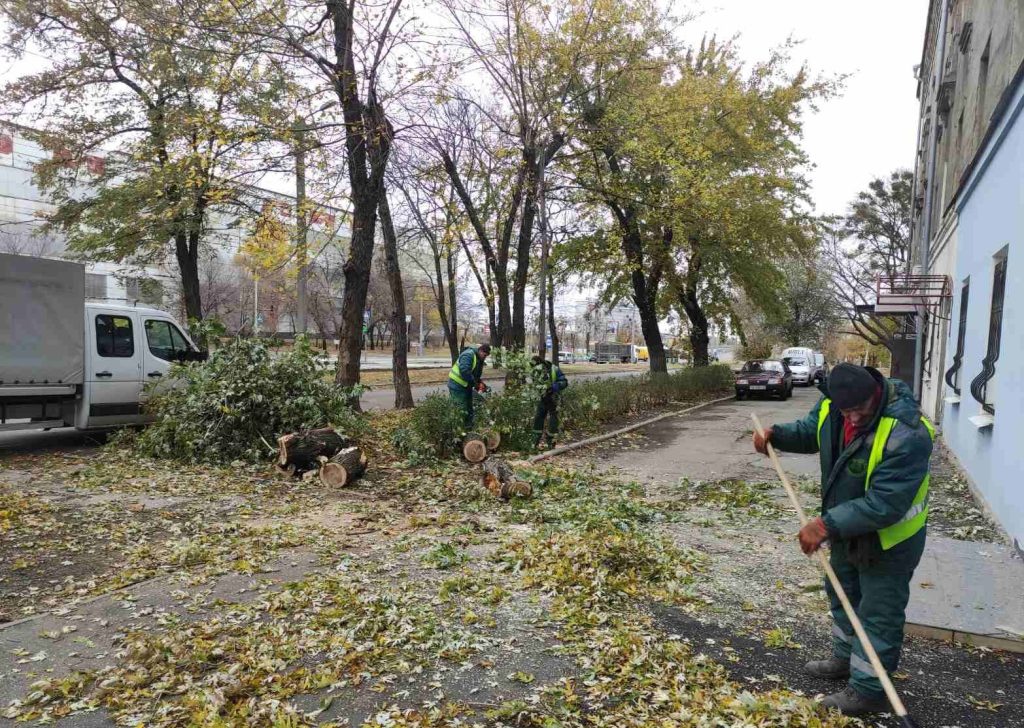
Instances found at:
x=869 y=649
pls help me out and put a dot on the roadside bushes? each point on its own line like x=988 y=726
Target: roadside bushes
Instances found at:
x=235 y=406
x=587 y=403
x=434 y=429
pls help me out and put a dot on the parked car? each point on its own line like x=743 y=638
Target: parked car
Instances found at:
x=566 y=357
x=764 y=376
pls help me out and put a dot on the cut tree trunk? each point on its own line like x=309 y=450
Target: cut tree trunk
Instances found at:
x=493 y=439
x=343 y=468
x=474 y=447
x=301 y=449
x=500 y=479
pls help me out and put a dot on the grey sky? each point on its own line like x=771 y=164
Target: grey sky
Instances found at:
x=870 y=130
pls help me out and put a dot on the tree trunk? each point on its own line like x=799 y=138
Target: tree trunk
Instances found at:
x=453 y=307
x=474 y=447
x=347 y=465
x=486 y=291
x=523 y=255
x=551 y=321
x=499 y=478
x=186 y=248
x=357 y=283
x=400 y=337
x=690 y=302
x=302 y=449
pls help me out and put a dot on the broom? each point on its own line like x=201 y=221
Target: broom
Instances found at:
x=869 y=649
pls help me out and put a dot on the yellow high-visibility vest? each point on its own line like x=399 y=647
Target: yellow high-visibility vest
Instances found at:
x=917 y=515
x=456 y=376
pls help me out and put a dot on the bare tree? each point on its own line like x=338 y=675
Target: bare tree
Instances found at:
x=871 y=241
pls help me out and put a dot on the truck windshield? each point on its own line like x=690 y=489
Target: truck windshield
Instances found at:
x=794 y=361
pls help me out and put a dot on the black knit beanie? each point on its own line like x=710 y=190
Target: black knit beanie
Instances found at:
x=850 y=385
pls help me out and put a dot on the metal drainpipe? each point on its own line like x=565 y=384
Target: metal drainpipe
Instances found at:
x=927 y=232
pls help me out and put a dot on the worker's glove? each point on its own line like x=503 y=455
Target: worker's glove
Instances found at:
x=813 y=535
x=761 y=440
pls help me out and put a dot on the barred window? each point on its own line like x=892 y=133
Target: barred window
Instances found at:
x=95 y=285
x=981 y=384
x=953 y=376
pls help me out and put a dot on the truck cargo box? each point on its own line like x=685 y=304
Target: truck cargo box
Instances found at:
x=42 y=314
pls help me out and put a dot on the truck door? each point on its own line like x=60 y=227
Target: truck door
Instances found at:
x=164 y=344
x=114 y=371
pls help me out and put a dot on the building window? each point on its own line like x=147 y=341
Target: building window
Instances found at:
x=982 y=385
x=114 y=336
x=95 y=285
x=144 y=290
x=953 y=375
x=982 y=83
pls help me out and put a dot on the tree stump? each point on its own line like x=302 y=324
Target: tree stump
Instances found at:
x=301 y=449
x=493 y=438
x=500 y=479
x=474 y=447
x=347 y=465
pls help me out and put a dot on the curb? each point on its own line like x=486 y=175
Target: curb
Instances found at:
x=954 y=636
x=609 y=435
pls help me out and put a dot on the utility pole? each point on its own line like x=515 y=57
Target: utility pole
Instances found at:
x=255 y=302
x=300 y=226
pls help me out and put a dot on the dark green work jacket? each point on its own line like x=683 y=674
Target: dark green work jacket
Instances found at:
x=893 y=501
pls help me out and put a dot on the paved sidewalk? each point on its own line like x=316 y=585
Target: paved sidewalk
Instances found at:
x=969 y=592
x=963 y=591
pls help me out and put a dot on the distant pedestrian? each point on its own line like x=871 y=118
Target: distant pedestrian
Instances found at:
x=547 y=409
x=465 y=376
x=874 y=446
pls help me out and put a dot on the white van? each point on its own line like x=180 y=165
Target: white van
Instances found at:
x=68 y=363
x=801 y=361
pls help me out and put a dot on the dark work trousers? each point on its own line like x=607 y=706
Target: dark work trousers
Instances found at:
x=547 y=409
x=879 y=593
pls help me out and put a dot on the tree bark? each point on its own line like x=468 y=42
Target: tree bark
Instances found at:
x=367 y=145
x=690 y=302
x=551 y=321
x=186 y=248
x=400 y=329
x=301 y=449
x=453 y=306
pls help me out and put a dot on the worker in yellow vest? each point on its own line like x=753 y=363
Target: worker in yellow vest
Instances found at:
x=465 y=376
x=874 y=447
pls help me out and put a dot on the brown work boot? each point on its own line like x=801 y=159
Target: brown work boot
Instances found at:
x=834 y=668
x=849 y=701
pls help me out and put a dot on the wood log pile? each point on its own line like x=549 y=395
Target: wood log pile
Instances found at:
x=500 y=479
x=476 y=446
x=323 y=453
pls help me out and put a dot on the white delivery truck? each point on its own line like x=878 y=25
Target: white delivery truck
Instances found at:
x=68 y=363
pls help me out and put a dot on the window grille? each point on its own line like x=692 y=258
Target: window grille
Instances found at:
x=979 y=386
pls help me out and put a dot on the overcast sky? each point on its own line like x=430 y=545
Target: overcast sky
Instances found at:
x=871 y=129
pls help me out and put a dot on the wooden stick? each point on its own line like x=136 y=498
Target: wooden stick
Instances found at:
x=869 y=649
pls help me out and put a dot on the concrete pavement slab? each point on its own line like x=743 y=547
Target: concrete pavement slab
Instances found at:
x=967 y=589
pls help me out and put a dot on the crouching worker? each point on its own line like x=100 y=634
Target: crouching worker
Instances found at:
x=547 y=409
x=465 y=376
x=874 y=446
